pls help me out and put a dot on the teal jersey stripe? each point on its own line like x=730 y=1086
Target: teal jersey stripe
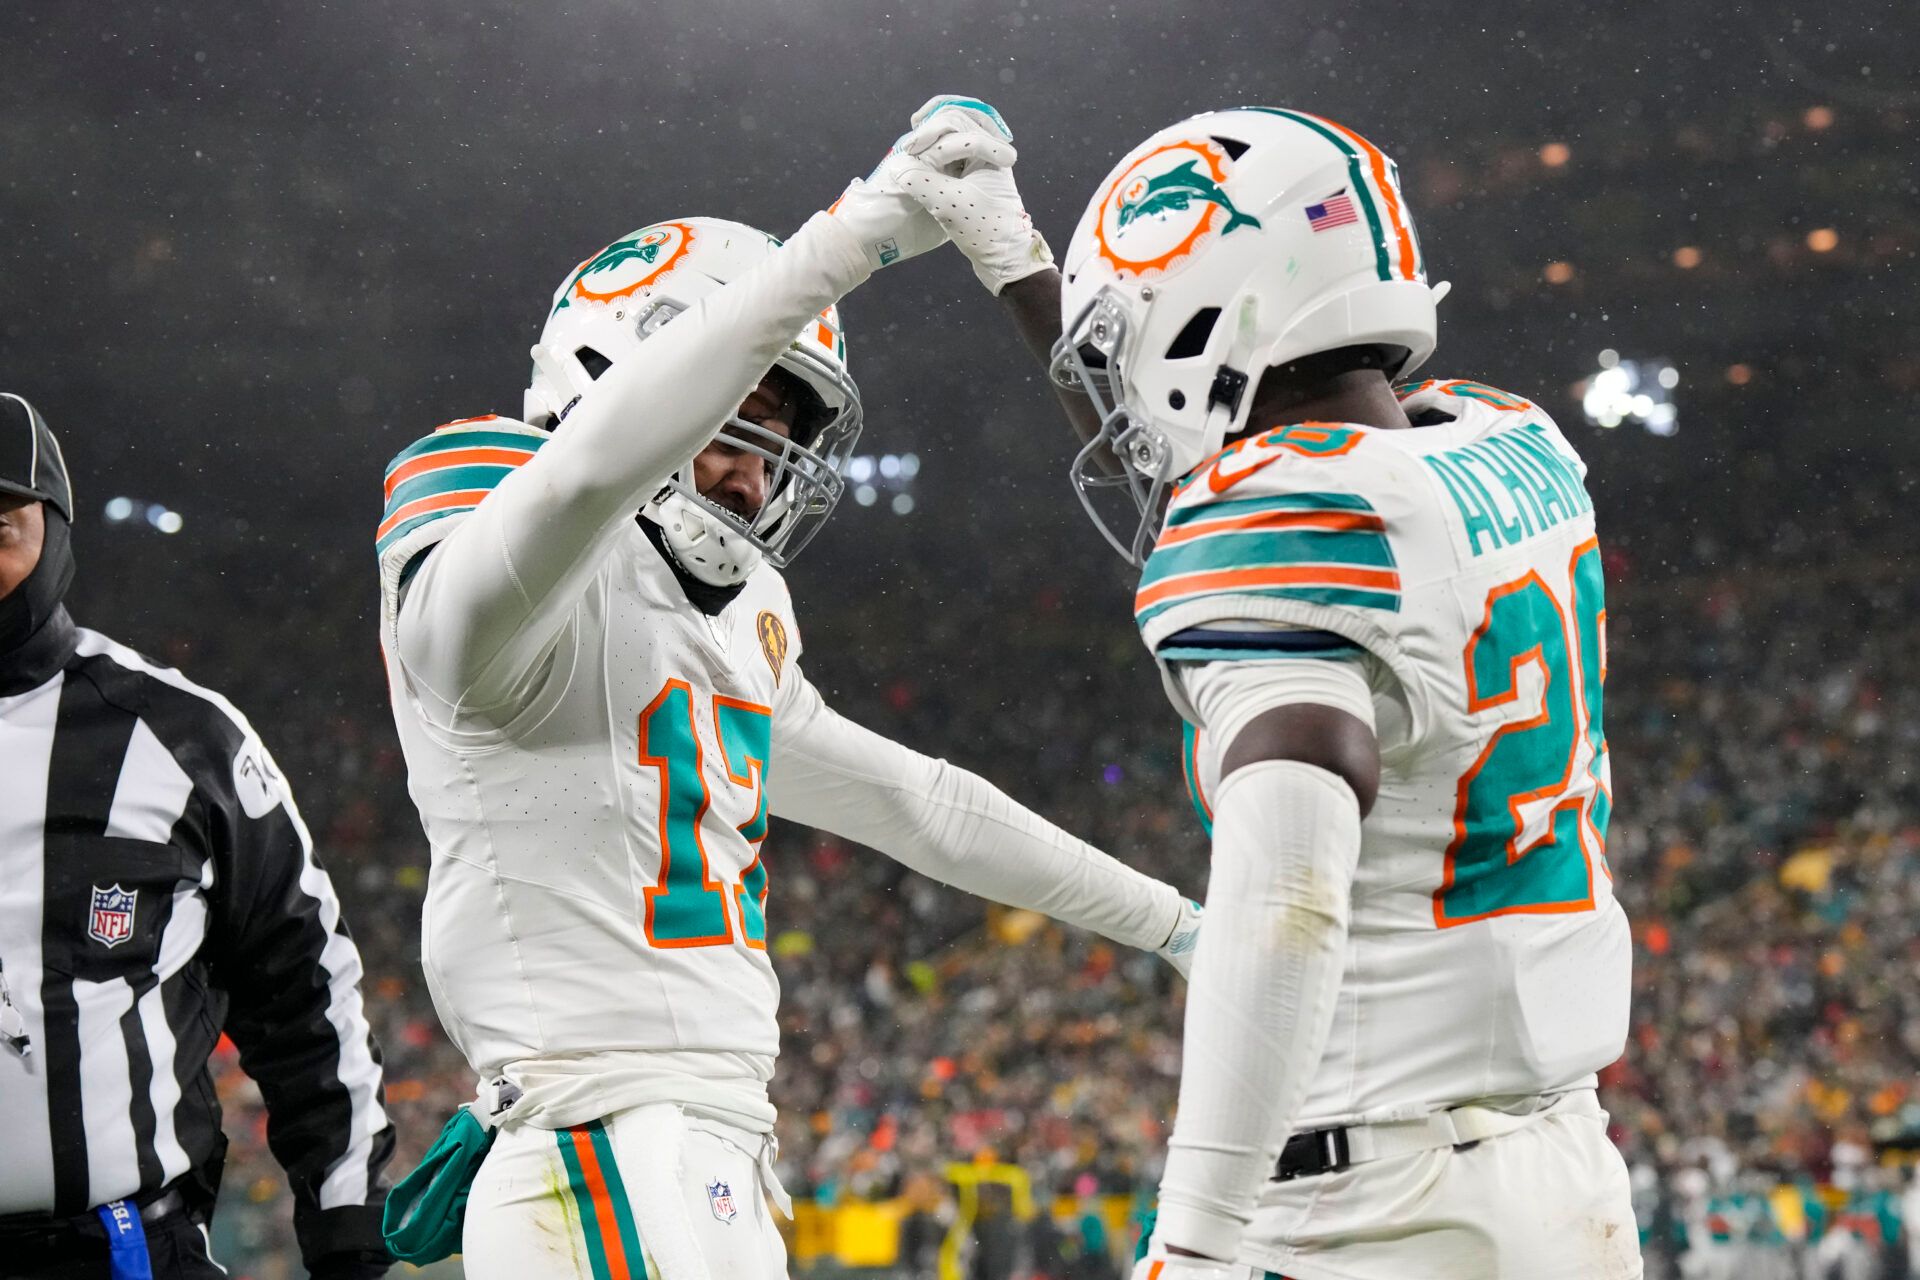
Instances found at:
x=1357 y=170
x=530 y=438
x=447 y=480
x=1352 y=597
x=1269 y=548
x=407 y=526
x=1201 y=653
x=622 y=1206
x=1277 y=502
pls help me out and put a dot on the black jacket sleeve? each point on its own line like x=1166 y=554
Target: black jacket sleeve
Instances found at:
x=292 y=974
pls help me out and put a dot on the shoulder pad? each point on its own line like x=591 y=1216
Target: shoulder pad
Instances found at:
x=1429 y=392
x=450 y=471
x=1306 y=530
x=436 y=481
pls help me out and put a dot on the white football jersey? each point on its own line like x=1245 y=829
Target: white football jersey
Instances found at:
x=596 y=882
x=1487 y=956
x=593 y=757
x=594 y=761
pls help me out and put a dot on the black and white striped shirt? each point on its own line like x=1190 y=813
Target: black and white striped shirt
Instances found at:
x=157 y=886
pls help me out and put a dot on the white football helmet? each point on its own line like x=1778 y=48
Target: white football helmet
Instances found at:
x=612 y=302
x=1218 y=248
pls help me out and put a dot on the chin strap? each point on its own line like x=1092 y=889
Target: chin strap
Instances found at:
x=1231 y=378
x=703 y=596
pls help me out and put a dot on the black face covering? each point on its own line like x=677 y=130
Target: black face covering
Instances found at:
x=36 y=635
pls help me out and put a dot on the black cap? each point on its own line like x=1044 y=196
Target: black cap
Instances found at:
x=30 y=462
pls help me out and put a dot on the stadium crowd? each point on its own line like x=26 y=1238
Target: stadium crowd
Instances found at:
x=1763 y=716
x=1766 y=845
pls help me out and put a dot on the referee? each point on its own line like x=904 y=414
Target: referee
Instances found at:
x=157 y=887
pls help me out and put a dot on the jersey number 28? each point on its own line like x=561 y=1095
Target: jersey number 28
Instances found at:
x=1534 y=768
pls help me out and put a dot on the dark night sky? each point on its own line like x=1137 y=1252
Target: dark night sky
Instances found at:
x=247 y=252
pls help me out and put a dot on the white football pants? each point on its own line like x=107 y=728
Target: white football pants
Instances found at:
x=1549 y=1201
x=646 y=1194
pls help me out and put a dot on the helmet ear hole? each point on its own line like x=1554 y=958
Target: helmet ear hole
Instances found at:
x=1193 y=336
x=593 y=362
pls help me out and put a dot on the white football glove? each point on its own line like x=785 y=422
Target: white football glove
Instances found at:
x=1157 y=1266
x=1181 y=944
x=965 y=180
x=892 y=226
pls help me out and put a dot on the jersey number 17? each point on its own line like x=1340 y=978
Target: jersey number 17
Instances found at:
x=687 y=906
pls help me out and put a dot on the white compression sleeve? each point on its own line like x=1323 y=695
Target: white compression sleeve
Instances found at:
x=1286 y=841
x=490 y=599
x=951 y=825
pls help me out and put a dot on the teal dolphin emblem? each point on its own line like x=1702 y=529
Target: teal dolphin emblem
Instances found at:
x=623 y=251
x=1175 y=191
x=645 y=246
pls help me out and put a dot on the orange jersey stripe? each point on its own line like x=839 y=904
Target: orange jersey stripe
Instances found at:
x=438 y=502
x=494 y=454
x=1377 y=161
x=1310 y=575
x=602 y=1205
x=1333 y=521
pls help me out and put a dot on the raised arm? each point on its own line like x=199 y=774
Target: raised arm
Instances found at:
x=488 y=602
x=959 y=829
x=961 y=172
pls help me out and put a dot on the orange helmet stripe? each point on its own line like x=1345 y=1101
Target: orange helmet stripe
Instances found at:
x=1389 y=195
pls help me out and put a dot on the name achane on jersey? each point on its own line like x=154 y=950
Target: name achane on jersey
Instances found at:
x=1511 y=486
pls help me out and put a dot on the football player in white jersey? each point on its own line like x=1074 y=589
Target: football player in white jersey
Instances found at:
x=595 y=671
x=1379 y=612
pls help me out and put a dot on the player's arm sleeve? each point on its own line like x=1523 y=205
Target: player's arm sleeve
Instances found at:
x=487 y=604
x=1260 y=1002
x=951 y=825
x=292 y=974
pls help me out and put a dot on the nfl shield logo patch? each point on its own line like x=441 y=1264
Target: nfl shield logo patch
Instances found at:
x=720 y=1196
x=110 y=921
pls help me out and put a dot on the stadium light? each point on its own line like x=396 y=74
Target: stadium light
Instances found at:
x=873 y=475
x=155 y=515
x=1637 y=391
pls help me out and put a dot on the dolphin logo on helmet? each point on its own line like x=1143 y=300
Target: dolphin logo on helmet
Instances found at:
x=622 y=295
x=1170 y=316
x=1174 y=191
x=645 y=246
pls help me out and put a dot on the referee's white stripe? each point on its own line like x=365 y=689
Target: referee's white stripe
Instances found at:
x=346 y=1182
x=186 y=931
x=26 y=745
x=152 y=791
x=106 y=1090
